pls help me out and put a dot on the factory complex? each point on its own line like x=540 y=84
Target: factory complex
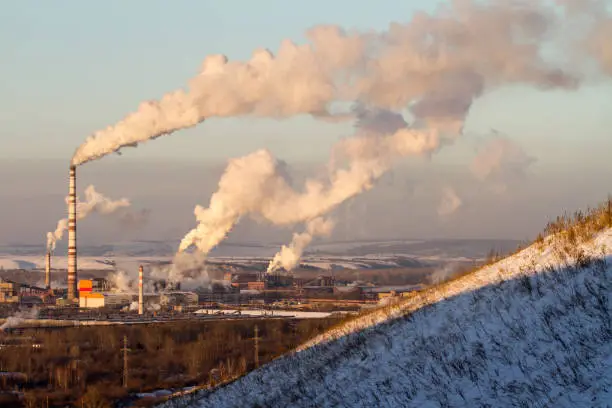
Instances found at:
x=236 y=289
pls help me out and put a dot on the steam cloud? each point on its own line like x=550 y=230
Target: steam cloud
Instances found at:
x=500 y=160
x=257 y=184
x=434 y=65
x=443 y=274
x=122 y=281
x=450 y=202
x=190 y=270
x=94 y=202
x=18 y=318
x=289 y=256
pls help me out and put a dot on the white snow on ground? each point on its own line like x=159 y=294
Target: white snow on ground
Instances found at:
x=30 y=262
x=532 y=330
x=331 y=264
x=347 y=246
x=58 y=262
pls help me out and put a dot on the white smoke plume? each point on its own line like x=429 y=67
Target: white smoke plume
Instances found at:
x=445 y=273
x=148 y=306
x=94 y=202
x=190 y=270
x=19 y=316
x=125 y=276
x=501 y=161
x=591 y=31
x=289 y=256
x=255 y=185
x=152 y=307
x=450 y=202
x=187 y=269
x=122 y=280
x=434 y=65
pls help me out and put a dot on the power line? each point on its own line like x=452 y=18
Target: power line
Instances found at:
x=256 y=338
x=125 y=362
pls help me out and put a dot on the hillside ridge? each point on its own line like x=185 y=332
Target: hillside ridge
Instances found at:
x=533 y=329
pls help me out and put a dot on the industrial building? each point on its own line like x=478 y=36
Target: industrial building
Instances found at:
x=178 y=299
x=241 y=281
x=19 y=293
x=256 y=285
x=278 y=280
x=241 y=284
x=91 y=300
x=97 y=293
x=9 y=291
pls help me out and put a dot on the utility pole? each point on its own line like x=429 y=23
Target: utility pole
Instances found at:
x=256 y=338
x=125 y=362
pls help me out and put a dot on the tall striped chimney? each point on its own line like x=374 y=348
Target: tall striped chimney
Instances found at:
x=72 y=247
x=140 y=295
x=48 y=270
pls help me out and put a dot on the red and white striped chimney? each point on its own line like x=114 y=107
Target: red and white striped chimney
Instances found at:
x=72 y=246
x=140 y=294
x=48 y=270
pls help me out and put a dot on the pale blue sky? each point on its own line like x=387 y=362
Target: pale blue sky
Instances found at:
x=68 y=68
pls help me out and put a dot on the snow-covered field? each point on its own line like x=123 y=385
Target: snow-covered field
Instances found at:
x=324 y=256
x=533 y=330
x=8 y=262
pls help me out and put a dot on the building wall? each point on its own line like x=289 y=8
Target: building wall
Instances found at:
x=118 y=299
x=91 y=301
x=9 y=292
x=257 y=285
x=176 y=298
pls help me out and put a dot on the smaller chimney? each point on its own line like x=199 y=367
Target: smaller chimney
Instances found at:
x=48 y=270
x=140 y=295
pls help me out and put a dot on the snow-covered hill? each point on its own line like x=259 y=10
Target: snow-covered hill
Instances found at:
x=533 y=330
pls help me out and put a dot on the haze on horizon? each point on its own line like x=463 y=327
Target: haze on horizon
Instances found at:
x=58 y=87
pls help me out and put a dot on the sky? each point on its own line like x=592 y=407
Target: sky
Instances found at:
x=71 y=68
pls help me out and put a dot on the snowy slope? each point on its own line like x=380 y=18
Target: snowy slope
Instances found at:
x=532 y=330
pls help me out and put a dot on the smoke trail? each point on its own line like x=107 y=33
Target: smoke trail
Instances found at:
x=450 y=202
x=255 y=185
x=190 y=270
x=122 y=281
x=501 y=162
x=435 y=65
x=591 y=31
x=289 y=256
x=17 y=318
x=445 y=273
x=94 y=202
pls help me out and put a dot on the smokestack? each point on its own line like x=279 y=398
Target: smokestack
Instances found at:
x=48 y=270
x=72 y=247
x=140 y=295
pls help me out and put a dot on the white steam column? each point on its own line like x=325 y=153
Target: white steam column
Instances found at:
x=72 y=247
x=48 y=270
x=140 y=295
